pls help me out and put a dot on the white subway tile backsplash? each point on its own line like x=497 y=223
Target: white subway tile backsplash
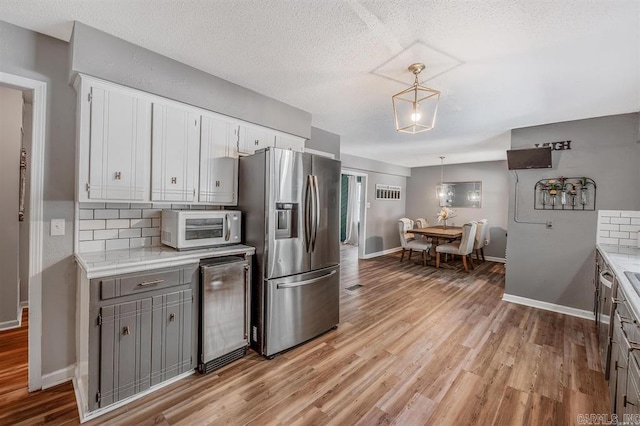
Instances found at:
x=105 y=234
x=141 y=205
x=197 y=207
x=621 y=220
x=106 y=214
x=118 y=223
x=155 y=241
x=140 y=242
x=91 y=224
x=87 y=246
x=628 y=242
x=85 y=235
x=610 y=213
x=131 y=214
x=128 y=233
x=156 y=222
x=150 y=232
x=630 y=228
x=151 y=213
x=614 y=234
x=603 y=234
x=603 y=219
x=613 y=241
x=629 y=214
x=609 y=227
x=161 y=205
x=140 y=223
x=635 y=221
x=86 y=214
x=92 y=206
x=117 y=244
x=118 y=205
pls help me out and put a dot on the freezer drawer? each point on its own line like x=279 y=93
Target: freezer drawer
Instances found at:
x=224 y=309
x=300 y=307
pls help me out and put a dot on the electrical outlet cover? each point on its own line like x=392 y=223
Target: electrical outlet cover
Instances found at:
x=57 y=227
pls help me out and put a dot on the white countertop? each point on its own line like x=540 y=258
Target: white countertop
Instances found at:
x=103 y=263
x=622 y=259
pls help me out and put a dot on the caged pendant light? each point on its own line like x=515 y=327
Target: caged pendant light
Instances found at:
x=415 y=108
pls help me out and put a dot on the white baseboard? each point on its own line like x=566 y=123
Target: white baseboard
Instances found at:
x=24 y=304
x=580 y=313
x=8 y=325
x=55 y=378
x=496 y=259
x=381 y=253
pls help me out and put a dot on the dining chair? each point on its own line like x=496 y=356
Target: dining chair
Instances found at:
x=423 y=223
x=408 y=241
x=481 y=238
x=463 y=248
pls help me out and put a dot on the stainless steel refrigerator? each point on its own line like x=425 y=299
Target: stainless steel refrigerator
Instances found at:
x=291 y=204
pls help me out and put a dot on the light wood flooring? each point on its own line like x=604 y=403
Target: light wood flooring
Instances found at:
x=415 y=346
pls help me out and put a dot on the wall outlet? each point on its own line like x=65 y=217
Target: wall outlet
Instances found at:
x=549 y=224
x=57 y=227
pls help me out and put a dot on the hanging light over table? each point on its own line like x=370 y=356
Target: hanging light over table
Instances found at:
x=414 y=109
x=444 y=191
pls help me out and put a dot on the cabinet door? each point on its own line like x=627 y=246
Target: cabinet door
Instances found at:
x=171 y=353
x=125 y=350
x=255 y=138
x=175 y=148
x=120 y=138
x=218 y=162
x=290 y=142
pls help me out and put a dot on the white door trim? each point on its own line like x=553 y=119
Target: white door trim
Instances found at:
x=362 y=237
x=36 y=230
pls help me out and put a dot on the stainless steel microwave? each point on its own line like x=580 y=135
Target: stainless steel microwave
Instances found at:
x=189 y=229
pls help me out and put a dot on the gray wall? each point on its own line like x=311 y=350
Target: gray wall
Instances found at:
x=32 y=55
x=104 y=56
x=556 y=265
x=422 y=201
x=382 y=215
x=321 y=140
x=10 y=143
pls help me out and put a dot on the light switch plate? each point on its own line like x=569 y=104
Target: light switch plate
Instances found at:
x=57 y=227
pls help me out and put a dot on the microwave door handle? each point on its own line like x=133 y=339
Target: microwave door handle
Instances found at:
x=227 y=223
x=307 y=214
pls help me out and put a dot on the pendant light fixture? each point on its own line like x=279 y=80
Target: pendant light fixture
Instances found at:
x=444 y=191
x=415 y=108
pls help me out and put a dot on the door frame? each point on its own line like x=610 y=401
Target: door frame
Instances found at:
x=362 y=235
x=36 y=224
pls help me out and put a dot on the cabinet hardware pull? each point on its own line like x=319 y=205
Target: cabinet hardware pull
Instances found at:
x=616 y=301
x=117 y=176
x=126 y=331
x=172 y=317
x=257 y=142
x=148 y=283
x=174 y=180
x=626 y=401
x=217 y=184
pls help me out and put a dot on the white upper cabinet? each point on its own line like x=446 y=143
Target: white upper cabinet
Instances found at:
x=174 y=153
x=218 y=161
x=253 y=138
x=294 y=143
x=115 y=126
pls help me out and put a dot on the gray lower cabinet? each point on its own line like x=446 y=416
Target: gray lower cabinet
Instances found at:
x=144 y=332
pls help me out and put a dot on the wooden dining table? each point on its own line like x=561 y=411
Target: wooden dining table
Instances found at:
x=451 y=233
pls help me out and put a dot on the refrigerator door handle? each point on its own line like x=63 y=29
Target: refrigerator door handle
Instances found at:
x=307 y=214
x=316 y=208
x=306 y=282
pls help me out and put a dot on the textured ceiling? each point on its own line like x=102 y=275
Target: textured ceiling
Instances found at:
x=499 y=64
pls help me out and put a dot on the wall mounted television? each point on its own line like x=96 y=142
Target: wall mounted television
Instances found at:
x=532 y=158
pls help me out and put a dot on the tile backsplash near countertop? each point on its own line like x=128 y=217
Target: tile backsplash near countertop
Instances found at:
x=111 y=226
x=618 y=227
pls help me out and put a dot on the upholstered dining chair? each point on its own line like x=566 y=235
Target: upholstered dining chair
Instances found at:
x=481 y=238
x=463 y=248
x=423 y=223
x=408 y=241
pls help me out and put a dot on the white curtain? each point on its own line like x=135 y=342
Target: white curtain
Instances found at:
x=352 y=211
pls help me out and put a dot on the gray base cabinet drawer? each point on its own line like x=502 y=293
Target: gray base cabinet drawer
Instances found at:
x=142 y=282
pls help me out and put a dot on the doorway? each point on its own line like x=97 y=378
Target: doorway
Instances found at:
x=32 y=95
x=353 y=208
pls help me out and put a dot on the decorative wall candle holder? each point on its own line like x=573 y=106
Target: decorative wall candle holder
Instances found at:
x=565 y=193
